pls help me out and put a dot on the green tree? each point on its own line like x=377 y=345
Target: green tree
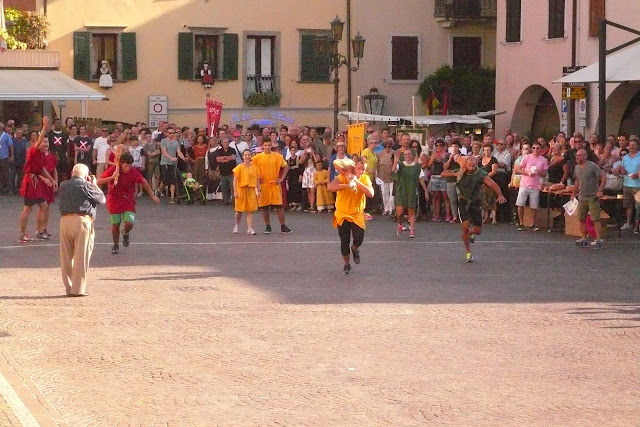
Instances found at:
x=470 y=89
x=26 y=30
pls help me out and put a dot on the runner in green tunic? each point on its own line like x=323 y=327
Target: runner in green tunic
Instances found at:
x=409 y=174
x=470 y=180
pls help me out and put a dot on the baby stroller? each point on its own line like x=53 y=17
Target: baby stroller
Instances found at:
x=188 y=189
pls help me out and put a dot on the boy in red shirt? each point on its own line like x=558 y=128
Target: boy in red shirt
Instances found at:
x=121 y=199
x=35 y=179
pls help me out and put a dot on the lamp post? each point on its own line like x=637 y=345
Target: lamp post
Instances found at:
x=328 y=46
x=374 y=102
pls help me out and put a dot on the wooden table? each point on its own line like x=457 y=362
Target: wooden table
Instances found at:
x=565 y=196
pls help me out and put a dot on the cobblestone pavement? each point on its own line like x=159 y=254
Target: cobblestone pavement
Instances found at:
x=194 y=326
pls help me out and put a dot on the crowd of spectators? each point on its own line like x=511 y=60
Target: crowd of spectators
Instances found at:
x=521 y=166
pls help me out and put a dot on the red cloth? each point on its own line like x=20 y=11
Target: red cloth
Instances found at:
x=32 y=187
x=50 y=164
x=121 y=197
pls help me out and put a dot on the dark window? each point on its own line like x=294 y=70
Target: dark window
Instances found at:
x=467 y=8
x=404 y=58
x=596 y=13
x=104 y=47
x=514 y=18
x=205 y=49
x=467 y=52
x=193 y=50
x=556 y=19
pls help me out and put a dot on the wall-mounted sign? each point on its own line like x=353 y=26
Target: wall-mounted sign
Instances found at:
x=574 y=92
x=158 y=110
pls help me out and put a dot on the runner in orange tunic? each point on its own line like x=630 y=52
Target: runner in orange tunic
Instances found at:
x=352 y=186
x=269 y=176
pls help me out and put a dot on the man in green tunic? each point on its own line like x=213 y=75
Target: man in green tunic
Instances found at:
x=409 y=174
x=470 y=180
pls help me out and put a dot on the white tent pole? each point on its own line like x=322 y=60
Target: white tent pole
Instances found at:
x=358 y=110
x=413 y=109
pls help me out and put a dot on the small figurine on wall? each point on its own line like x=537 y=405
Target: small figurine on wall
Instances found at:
x=207 y=76
x=106 y=81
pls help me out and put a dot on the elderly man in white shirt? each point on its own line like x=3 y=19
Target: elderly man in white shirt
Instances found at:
x=503 y=156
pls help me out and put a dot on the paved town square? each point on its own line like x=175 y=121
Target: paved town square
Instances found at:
x=192 y=325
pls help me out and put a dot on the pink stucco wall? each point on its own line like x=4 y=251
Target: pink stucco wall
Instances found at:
x=537 y=60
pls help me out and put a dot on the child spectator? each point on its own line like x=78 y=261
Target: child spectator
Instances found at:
x=324 y=199
x=307 y=182
x=245 y=191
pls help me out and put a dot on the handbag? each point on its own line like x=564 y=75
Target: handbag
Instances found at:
x=614 y=182
x=214 y=174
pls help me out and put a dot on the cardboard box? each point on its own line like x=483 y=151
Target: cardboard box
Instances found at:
x=572 y=225
x=541 y=217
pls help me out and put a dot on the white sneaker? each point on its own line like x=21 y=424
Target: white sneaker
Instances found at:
x=251 y=231
x=625 y=227
x=235 y=229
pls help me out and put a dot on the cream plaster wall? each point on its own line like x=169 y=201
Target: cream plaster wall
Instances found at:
x=157 y=22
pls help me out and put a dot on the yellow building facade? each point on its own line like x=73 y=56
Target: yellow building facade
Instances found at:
x=258 y=52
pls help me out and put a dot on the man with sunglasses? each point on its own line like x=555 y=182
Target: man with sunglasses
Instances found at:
x=578 y=144
x=532 y=168
x=170 y=149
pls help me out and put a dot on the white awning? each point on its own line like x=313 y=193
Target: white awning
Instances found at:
x=43 y=85
x=622 y=66
x=419 y=120
x=364 y=117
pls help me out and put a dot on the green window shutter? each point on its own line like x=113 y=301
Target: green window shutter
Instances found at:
x=129 y=56
x=230 y=57
x=307 y=58
x=81 y=55
x=323 y=67
x=313 y=68
x=185 y=56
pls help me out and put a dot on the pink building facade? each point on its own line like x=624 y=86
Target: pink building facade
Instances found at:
x=534 y=43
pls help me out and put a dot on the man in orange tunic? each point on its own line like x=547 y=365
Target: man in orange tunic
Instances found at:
x=269 y=176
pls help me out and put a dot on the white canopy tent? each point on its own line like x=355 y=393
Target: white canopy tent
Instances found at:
x=45 y=85
x=432 y=120
x=622 y=66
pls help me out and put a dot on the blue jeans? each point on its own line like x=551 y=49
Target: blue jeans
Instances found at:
x=226 y=187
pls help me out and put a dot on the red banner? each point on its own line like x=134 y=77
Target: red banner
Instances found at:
x=214 y=111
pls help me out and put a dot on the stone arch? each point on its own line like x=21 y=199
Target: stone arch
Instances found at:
x=536 y=113
x=623 y=109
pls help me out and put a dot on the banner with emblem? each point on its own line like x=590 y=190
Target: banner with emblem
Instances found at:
x=214 y=112
x=355 y=139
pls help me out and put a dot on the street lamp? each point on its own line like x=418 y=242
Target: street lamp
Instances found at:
x=328 y=46
x=374 y=102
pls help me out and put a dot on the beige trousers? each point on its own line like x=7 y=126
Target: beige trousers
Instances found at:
x=76 y=244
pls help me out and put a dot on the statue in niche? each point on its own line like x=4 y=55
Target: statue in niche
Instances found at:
x=106 y=79
x=206 y=75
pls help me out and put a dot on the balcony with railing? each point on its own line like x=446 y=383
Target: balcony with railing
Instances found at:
x=261 y=84
x=450 y=12
x=30 y=59
x=261 y=91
